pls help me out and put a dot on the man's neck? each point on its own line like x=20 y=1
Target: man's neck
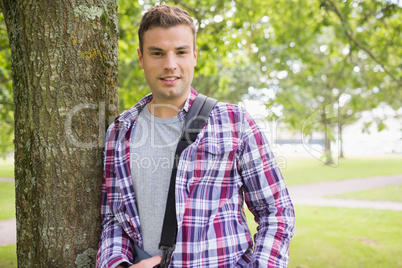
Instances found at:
x=165 y=109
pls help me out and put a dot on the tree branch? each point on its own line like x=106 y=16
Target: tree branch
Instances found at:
x=329 y=5
x=192 y=10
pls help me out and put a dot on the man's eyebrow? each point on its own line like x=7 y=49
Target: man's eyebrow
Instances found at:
x=183 y=47
x=154 y=48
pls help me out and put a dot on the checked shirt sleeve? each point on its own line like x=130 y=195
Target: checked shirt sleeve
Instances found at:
x=115 y=247
x=267 y=198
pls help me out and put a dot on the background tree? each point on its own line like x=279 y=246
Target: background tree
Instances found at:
x=336 y=55
x=64 y=71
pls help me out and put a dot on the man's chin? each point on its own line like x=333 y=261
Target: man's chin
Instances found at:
x=171 y=94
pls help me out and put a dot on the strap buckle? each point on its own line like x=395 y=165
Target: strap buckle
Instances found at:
x=167 y=252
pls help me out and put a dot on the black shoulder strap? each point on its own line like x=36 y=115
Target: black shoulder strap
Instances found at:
x=196 y=119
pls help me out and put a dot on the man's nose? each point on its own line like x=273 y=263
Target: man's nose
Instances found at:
x=170 y=61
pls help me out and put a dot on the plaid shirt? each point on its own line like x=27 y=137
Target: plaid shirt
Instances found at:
x=229 y=161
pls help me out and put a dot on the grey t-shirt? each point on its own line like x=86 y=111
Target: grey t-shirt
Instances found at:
x=152 y=149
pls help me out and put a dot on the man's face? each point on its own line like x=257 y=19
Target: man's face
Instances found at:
x=168 y=60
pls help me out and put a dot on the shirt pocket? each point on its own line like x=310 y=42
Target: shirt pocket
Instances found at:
x=214 y=164
x=215 y=155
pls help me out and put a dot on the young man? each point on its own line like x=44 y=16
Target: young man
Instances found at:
x=230 y=161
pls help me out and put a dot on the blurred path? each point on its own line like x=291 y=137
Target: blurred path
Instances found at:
x=307 y=194
x=6 y=180
x=314 y=194
x=8 y=232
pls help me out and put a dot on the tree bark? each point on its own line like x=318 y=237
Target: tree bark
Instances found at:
x=340 y=129
x=327 y=141
x=64 y=66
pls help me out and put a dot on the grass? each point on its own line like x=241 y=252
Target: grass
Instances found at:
x=341 y=237
x=8 y=256
x=6 y=168
x=388 y=193
x=7 y=200
x=310 y=170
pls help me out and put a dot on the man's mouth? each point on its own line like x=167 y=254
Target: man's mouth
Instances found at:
x=169 y=78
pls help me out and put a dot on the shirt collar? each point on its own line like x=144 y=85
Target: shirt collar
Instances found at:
x=131 y=114
x=190 y=99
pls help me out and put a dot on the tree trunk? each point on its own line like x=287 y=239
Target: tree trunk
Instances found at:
x=64 y=65
x=341 y=141
x=327 y=141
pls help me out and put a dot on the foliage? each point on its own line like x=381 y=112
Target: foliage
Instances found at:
x=132 y=84
x=339 y=57
x=6 y=96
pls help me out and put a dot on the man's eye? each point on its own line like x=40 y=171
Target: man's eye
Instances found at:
x=156 y=53
x=182 y=52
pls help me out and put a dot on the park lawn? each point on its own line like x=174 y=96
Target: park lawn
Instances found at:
x=8 y=256
x=6 y=168
x=344 y=237
x=387 y=193
x=7 y=200
x=311 y=170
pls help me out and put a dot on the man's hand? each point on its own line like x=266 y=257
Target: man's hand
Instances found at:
x=148 y=263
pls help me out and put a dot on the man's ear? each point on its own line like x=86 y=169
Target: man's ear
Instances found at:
x=140 y=58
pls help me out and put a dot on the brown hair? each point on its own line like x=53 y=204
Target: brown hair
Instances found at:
x=164 y=16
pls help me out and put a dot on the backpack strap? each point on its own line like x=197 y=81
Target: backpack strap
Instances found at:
x=196 y=119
